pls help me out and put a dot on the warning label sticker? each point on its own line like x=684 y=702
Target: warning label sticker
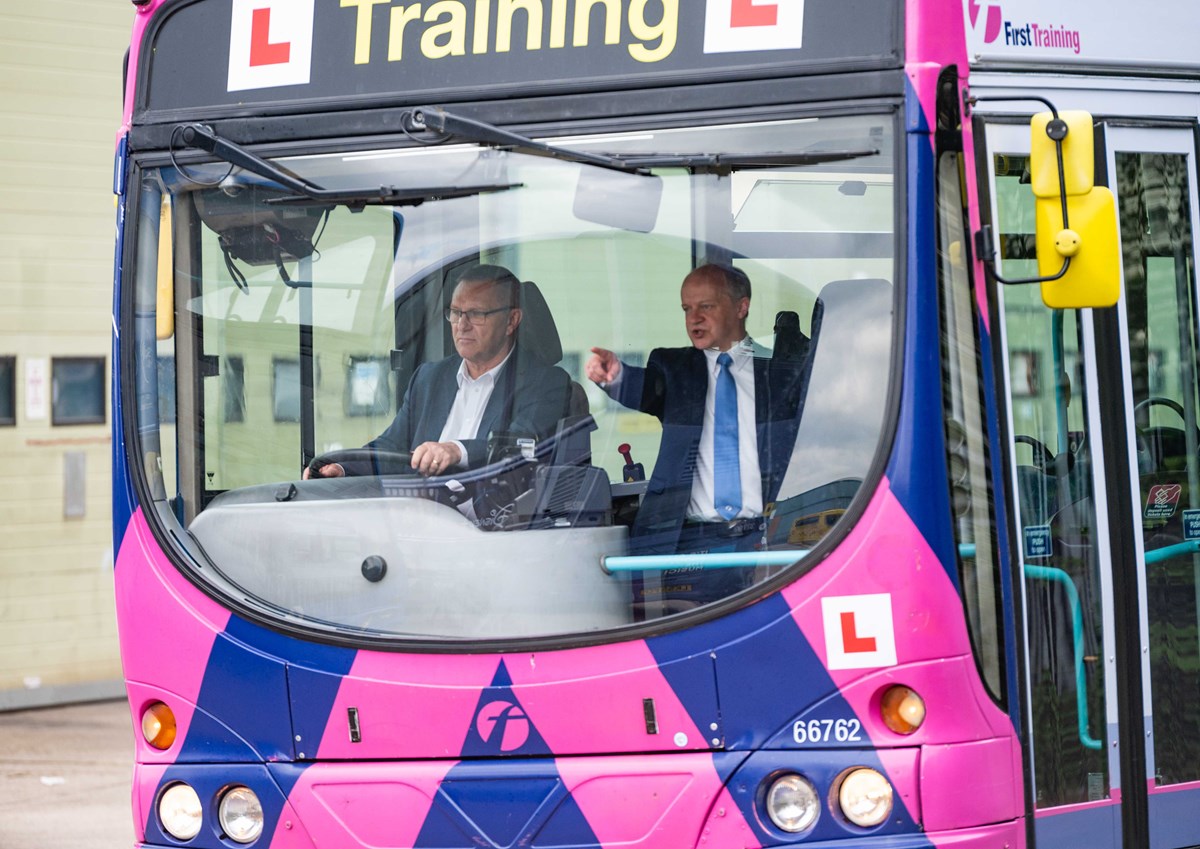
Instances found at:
x=1163 y=500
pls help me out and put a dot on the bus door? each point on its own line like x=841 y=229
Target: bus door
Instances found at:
x=1102 y=417
x=1152 y=340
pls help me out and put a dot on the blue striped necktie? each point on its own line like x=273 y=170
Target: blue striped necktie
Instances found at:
x=727 y=475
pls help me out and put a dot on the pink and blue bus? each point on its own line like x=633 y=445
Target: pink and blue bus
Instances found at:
x=962 y=608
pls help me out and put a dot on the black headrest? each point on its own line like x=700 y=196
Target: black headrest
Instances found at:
x=786 y=320
x=790 y=342
x=538 y=334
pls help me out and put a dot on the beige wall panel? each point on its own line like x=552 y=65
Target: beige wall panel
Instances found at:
x=28 y=621
x=34 y=564
x=44 y=300
x=46 y=600
x=60 y=107
x=11 y=265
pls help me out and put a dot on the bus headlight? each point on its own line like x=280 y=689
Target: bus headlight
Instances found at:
x=179 y=812
x=792 y=803
x=865 y=797
x=241 y=815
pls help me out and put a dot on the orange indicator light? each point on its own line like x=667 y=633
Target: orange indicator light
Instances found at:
x=158 y=725
x=902 y=709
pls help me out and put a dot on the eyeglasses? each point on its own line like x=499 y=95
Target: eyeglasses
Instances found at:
x=455 y=315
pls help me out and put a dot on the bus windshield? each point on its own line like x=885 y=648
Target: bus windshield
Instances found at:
x=310 y=361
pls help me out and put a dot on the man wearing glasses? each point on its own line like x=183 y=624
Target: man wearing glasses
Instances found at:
x=486 y=386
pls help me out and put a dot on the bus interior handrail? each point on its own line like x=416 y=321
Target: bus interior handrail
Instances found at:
x=613 y=564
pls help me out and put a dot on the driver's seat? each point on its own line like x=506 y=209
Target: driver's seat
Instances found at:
x=538 y=337
x=538 y=334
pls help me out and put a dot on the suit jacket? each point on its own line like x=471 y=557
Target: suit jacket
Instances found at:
x=529 y=397
x=672 y=387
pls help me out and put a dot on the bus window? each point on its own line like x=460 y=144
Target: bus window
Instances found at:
x=1056 y=514
x=1160 y=308
x=254 y=330
x=966 y=430
x=306 y=331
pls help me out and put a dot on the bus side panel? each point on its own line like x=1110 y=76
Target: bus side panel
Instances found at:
x=124 y=500
x=924 y=627
x=223 y=678
x=167 y=630
x=917 y=470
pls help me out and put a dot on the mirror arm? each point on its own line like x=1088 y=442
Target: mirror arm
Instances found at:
x=986 y=252
x=1056 y=129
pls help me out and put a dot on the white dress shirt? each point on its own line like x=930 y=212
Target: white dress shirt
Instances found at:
x=470 y=401
x=701 y=508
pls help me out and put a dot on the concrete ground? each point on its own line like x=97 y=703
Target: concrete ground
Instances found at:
x=65 y=776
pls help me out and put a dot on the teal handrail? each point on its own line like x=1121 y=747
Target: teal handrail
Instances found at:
x=712 y=560
x=1060 y=407
x=1158 y=555
x=1058 y=576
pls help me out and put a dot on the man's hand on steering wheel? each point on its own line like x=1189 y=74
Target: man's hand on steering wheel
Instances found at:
x=435 y=458
x=368 y=460
x=329 y=470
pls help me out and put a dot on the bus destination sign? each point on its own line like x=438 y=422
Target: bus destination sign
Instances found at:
x=282 y=53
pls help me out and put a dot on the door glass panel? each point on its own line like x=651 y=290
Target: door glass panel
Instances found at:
x=966 y=431
x=1056 y=515
x=1160 y=303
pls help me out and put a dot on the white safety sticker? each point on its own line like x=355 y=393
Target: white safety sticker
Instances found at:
x=270 y=43
x=859 y=633
x=734 y=26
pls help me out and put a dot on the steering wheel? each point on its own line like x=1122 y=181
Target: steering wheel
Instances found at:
x=364 y=461
x=1141 y=410
x=1043 y=460
x=1151 y=453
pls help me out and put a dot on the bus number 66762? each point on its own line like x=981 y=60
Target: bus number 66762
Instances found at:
x=827 y=730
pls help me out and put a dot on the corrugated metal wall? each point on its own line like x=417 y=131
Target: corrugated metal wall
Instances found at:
x=60 y=107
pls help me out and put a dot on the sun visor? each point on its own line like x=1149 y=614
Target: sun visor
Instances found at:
x=255 y=232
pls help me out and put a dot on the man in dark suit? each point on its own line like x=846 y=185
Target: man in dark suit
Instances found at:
x=729 y=419
x=488 y=385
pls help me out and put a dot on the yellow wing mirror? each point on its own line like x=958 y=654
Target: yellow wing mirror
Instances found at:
x=1078 y=251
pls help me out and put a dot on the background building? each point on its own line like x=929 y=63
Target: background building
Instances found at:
x=60 y=108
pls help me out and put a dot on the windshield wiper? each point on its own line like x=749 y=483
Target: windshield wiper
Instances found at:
x=438 y=120
x=718 y=161
x=390 y=195
x=309 y=193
